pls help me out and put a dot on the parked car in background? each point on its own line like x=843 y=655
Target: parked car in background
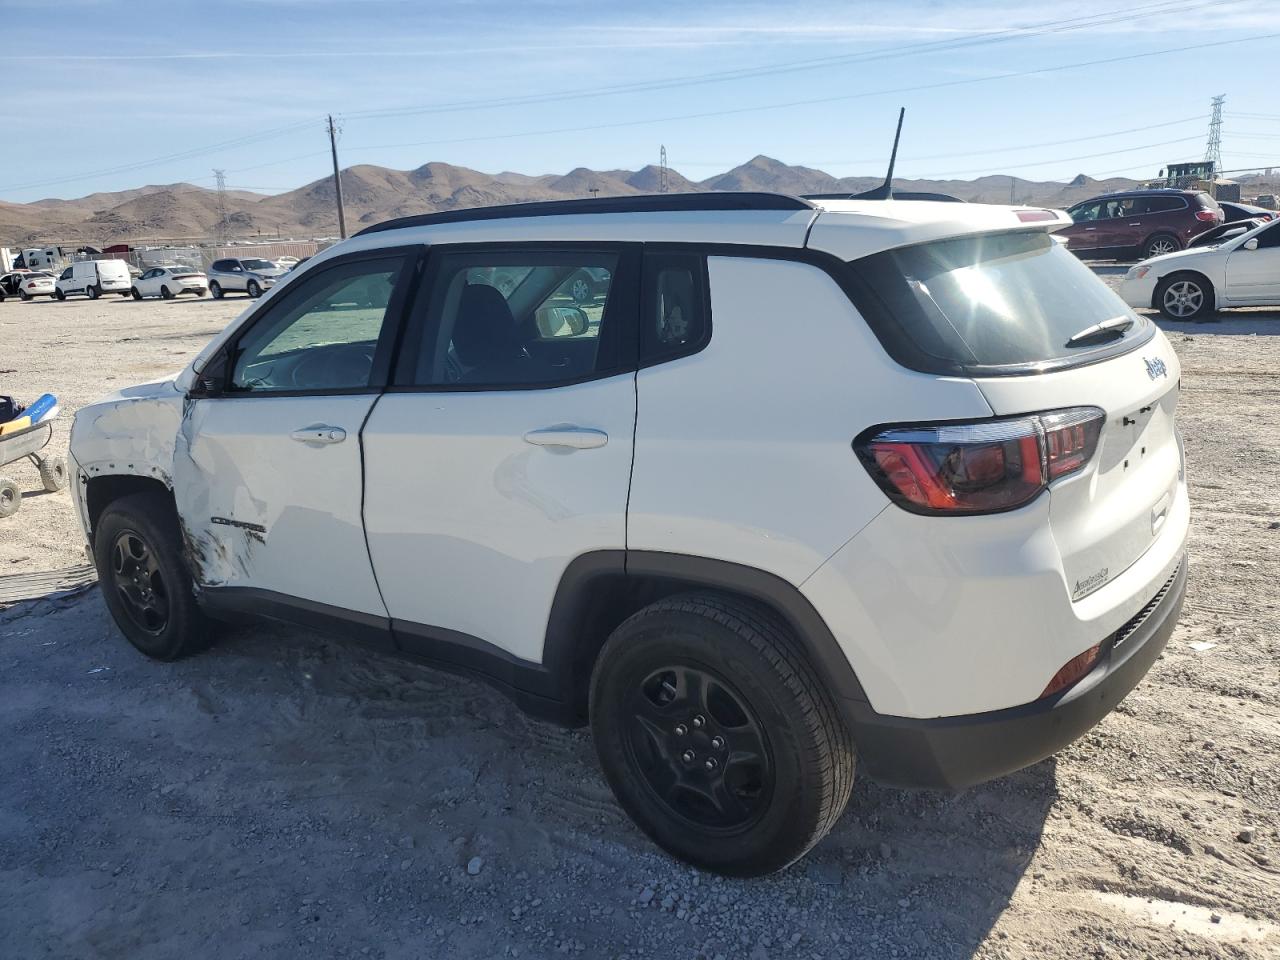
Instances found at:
x=169 y=281
x=1267 y=200
x=37 y=284
x=1224 y=232
x=1243 y=271
x=93 y=278
x=979 y=552
x=9 y=283
x=1139 y=223
x=251 y=275
x=1245 y=211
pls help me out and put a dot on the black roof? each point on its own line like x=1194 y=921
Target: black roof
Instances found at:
x=644 y=203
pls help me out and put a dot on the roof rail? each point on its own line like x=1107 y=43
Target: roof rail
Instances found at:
x=643 y=203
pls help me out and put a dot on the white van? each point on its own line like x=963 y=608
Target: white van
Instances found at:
x=93 y=278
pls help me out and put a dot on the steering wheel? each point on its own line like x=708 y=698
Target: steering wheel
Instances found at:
x=332 y=368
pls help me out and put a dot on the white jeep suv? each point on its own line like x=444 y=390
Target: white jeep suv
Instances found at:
x=798 y=482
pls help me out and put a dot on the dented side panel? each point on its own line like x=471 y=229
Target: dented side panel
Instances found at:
x=262 y=509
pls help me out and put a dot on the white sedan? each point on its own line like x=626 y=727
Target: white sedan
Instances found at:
x=169 y=281
x=1191 y=284
x=36 y=285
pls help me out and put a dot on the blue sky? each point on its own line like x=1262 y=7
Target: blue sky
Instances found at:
x=111 y=94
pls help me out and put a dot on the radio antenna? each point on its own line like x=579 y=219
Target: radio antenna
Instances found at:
x=885 y=190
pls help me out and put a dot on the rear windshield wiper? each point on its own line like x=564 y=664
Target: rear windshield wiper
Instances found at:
x=1115 y=327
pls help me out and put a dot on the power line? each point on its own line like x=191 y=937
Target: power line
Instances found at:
x=1105 y=18
x=1087 y=156
x=816 y=101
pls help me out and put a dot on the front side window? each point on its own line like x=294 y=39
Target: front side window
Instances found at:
x=512 y=319
x=1086 y=212
x=320 y=335
x=66 y=274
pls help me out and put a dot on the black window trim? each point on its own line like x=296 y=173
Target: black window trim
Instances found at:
x=628 y=273
x=384 y=353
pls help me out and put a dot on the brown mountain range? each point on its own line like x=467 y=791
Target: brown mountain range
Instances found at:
x=373 y=193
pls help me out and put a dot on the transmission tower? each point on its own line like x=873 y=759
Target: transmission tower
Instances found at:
x=663 y=184
x=1213 y=150
x=220 y=230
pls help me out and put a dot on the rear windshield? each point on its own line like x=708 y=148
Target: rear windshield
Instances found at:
x=996 y=300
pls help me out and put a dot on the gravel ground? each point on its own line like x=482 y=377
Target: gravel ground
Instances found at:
x=286 y=794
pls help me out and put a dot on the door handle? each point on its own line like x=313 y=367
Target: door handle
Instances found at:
x=1135 y=224
x=574 y=438
x=1091 y=228
x=319 y=433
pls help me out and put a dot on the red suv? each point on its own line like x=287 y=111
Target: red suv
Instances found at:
x=1140 y=223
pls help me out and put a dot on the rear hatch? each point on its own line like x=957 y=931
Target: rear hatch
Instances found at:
x=1038 y=332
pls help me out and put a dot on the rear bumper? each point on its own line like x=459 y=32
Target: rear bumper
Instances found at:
x=954 y=752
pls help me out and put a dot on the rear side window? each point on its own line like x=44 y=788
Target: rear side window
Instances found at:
x=1010 y=300
x=675 y=316
x=1159 y=205
x=1207 y=202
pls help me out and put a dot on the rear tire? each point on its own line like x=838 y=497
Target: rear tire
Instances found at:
x=10 y=497
x=137 y=549
x=24 y=295
x=215 y=288
x=1185 y=297
x=166 y=293
x=1159 y=245
x=717 y=736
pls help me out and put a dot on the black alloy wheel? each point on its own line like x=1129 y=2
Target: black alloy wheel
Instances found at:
x=702 y=751
x=137 y=579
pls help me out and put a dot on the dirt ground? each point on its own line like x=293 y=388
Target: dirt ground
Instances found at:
x=287 y=794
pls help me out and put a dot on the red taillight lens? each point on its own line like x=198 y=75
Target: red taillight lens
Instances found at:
x=1072 y=671
x=1208 y=216
x=980 y=467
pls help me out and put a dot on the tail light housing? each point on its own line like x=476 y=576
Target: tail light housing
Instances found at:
x=1208 y=216
x=984 y=467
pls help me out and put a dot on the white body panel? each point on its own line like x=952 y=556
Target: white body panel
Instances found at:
x=470 y=525
x=288 y=512
x=108 y=276
x=744 y=452
x=1253 y=276
x=41 y=286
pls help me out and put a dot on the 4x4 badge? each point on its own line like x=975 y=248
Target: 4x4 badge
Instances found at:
x=1155 y=367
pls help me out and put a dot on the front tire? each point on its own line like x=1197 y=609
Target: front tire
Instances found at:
x=53 y=473
x=59 y=295
x=215 y=288
x=717 y=736
x=10 y=497
x=137 y=549
x=136 y=293
x=166 y=293
x=253 y=290
x=93 y=292
x=1185 y=297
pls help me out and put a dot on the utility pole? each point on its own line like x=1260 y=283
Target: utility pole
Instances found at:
x=663 y=184
x=1011 y=191
x=337 y=179
x=1213 y=149
x=220 y=230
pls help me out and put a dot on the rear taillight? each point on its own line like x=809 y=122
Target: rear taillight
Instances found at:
x=982 y=467
x=1208 y=216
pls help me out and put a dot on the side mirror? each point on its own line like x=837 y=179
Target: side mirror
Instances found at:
x=1250 y=244
x=211 y=381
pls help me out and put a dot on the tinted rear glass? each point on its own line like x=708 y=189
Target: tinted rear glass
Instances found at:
x=993 y=300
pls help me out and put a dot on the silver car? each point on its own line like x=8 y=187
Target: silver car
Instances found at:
x=252 y=275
